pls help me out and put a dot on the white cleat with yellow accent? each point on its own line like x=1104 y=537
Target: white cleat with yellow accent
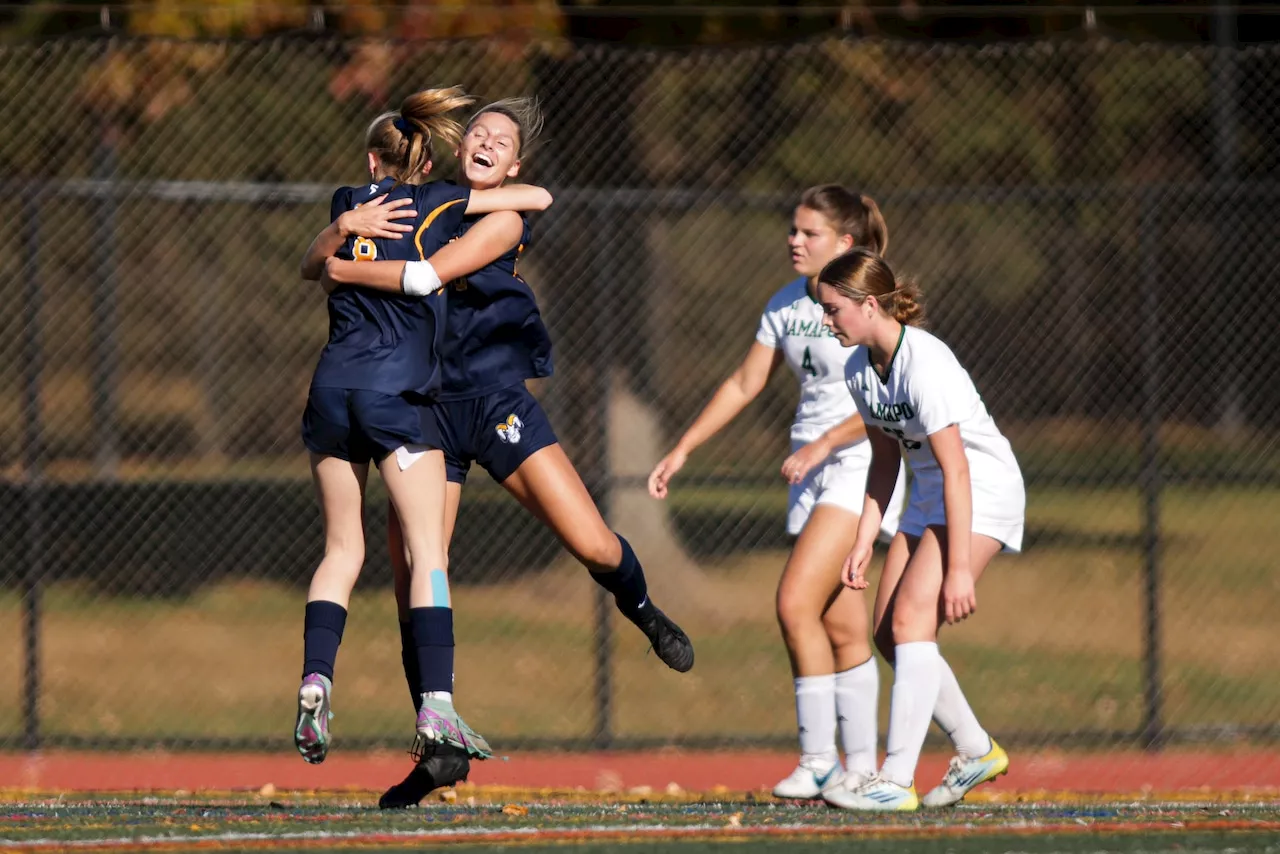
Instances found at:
x=964 y=775
x=874 y=794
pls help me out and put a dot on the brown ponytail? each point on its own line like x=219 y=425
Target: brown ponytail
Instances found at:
x=849 y=213
x=860 y=273
x=403 y=140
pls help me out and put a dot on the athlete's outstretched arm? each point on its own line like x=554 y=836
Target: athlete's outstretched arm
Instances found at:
x=958 y=595
x=797 y=466
x=486 y=241
x=514 y=197
x=731 y=398
x=372 y=219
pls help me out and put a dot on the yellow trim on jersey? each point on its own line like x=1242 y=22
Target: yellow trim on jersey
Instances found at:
x=417 y=238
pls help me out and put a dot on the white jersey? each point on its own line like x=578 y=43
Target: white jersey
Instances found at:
x=925 y=391
x=792 y=322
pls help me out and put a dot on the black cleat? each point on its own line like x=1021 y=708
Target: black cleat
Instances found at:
x=445 y=765
x=670 y=642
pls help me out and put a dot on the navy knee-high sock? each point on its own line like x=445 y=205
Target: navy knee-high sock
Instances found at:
x=321 y=635
x=409 y=660
x=433 y=639
x=627 y=584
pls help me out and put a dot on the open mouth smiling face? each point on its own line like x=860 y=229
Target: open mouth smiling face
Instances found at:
x=489 y=150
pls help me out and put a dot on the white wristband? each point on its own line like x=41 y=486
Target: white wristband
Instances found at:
x=420 y=279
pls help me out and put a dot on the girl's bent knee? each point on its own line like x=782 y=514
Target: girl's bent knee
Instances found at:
x=796 y=614
x=598 y=552
x=913 y=624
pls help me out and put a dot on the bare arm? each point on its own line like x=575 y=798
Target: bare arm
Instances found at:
x=846 y=432
x=742 y=387
x=373 y=219
x=959 y=599
x=516 y=197
x=882 y=476
x=732 y=397
x=485 y=242
x=796 y=467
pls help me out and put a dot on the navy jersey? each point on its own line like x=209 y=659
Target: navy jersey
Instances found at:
x=384 y=342
x=494 y=334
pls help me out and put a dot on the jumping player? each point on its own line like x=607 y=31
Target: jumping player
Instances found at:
x=824 y=624
x=967 y=504
x=495 y=340
x=380 y=358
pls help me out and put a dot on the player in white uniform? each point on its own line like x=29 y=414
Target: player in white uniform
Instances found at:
x=967 y=504
x=823 y=623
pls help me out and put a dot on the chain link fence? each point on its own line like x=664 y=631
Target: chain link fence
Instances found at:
x=1092 y=226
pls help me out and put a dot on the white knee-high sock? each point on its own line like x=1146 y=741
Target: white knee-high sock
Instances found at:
x=956 y=717
x=857 y=697
x=915 y=693
x=816 y=715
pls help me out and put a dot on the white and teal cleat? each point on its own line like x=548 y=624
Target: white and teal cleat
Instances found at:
x=964 y=775
x=806 y=783
x=874 y=794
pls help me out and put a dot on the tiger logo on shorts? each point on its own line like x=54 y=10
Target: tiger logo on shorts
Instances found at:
x=509 y=430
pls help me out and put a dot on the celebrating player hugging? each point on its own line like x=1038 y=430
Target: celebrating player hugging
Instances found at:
x=966 y=505
x=380 y=360
x=490 y=339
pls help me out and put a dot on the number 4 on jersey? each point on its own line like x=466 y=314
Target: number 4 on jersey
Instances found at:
x=806 y=364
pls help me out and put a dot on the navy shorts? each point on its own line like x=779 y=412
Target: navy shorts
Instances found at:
x=499 y=431
x=361 y=426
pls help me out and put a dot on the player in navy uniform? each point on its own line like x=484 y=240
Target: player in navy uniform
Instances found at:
x=495 y=340
x=380 y=362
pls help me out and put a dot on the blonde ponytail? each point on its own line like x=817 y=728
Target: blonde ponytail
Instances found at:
x=403 y=140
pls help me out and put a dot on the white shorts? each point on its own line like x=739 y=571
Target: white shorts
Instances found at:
x=842 y=483
x=999 y=509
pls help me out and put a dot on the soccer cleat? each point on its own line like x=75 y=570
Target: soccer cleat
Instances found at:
x=874 y=794
x=311 y=731
x=668 y=640
x=439 y=723
x=964 y=775
x=806 y=783
x=443 y=765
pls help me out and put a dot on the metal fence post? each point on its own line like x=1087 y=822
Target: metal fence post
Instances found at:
x=103 y=343
x=1149 y=478
x=602 y=487
x=33 y=498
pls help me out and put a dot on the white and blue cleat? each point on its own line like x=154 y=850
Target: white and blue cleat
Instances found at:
x=807 y=782
x=874 y=794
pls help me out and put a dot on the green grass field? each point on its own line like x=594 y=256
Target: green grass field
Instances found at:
x=1056 y=646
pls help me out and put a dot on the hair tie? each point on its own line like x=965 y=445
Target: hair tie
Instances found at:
x=403 y=126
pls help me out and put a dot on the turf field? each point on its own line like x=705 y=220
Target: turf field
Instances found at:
x=533 y=821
